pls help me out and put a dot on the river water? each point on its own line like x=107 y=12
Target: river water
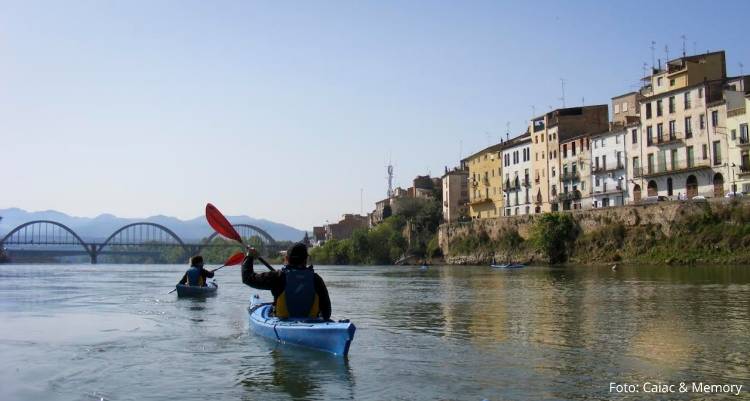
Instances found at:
x=111 y=332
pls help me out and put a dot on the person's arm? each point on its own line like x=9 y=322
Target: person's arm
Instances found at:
x=183 y=280
x=261 y=281
x=323 y=298
x=208 y=274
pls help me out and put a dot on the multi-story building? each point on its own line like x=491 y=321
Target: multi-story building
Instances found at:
x=381 y=212
x=575 y=174
x=485 y=182
x=739 y=146
x=455 y=195
x=548 y=132
x=516 y=169
x=345 y=227
x=608 y=174
x=683 y=121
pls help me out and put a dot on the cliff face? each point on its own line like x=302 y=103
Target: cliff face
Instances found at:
x=667 y=232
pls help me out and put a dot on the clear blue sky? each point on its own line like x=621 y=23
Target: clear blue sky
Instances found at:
x=284 y=110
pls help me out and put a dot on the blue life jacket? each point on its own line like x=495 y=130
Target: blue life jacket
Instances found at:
x=194 y=277
x=299 y=299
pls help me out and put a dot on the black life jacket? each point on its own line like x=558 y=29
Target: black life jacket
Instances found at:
x=299 y=299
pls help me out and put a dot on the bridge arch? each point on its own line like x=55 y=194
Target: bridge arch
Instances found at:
x=25 y=226
x=247 y=228
x=109 y=240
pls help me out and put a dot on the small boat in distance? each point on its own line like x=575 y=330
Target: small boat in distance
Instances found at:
x=508 y=266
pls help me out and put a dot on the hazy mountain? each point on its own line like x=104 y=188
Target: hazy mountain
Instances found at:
x=103 y=225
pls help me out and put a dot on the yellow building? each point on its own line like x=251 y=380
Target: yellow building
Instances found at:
x=485 y=182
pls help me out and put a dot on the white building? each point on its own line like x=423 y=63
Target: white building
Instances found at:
x=608 y=171
x=517 y=176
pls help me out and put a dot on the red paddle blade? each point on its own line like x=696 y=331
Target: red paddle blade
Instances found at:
x=235 y=259
x=218 y=222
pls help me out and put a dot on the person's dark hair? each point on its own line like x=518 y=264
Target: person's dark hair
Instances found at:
x=196 y=260
x=297 y=254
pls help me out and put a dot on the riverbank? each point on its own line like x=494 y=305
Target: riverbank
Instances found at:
x=676 y=233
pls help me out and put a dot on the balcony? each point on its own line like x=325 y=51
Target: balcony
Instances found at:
x=743 y=141
x=744 y=169
x=679 y=166
x=608 y=191
x=571 y=175
x=479 y=201
x=526 y=183
x=567 y=196
x=675 y=137
x=607 y=169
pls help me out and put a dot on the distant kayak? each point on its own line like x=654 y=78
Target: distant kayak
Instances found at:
x=328 y=336
x=195 y=291
x=508 y=266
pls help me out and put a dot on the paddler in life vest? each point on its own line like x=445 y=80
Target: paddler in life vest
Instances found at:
x=196 y=275
x=298 y=291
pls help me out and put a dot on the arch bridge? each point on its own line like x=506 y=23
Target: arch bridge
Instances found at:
x=47 y=238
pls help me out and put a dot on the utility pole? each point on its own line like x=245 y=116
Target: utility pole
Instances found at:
x=361 y=201
x=666 y=52
x=653 y=54
x=742 y=82
x=684 y=50
x=562 y=85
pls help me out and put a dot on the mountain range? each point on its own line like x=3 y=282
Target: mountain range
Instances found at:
x=102 y=226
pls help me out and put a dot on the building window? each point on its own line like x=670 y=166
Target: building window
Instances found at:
x=688 y=127
x=636 y=164
x=734 y=134
x=649 y=135
x=658 y=108
x=687 y=100
x=672 y=129
x=700 y=93
x=659 y=132
x=690 y=158
x=617 y=108
x=625 y=107
x=565 y=150
x=703 y=121
x=671 y=104
x=648 y=110
x=659 y=81
x=705 y=151
x=717 y=153
x=671 y=82
x=573 y=148
x=634 y=134
x=715 y=118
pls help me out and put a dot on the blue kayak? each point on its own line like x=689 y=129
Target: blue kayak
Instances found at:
x=195 y=291
x=328 y=336
x=509 y=266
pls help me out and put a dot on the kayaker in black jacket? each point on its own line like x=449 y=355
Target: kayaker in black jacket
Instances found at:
x=297 y=290
x=196 y=274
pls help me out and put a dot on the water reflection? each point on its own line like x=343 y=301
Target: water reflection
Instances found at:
x=297 y=373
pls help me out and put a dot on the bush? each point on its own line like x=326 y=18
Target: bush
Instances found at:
x=553 y=234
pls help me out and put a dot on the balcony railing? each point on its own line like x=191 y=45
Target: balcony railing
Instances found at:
x=480 y=200
x=675 y=167
x=615 y=190
x=526 y=183
x=609 y=168
x=675 y=137
x=744 y=169
x=570 y=175
x=566 y=196
x=744 y=141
